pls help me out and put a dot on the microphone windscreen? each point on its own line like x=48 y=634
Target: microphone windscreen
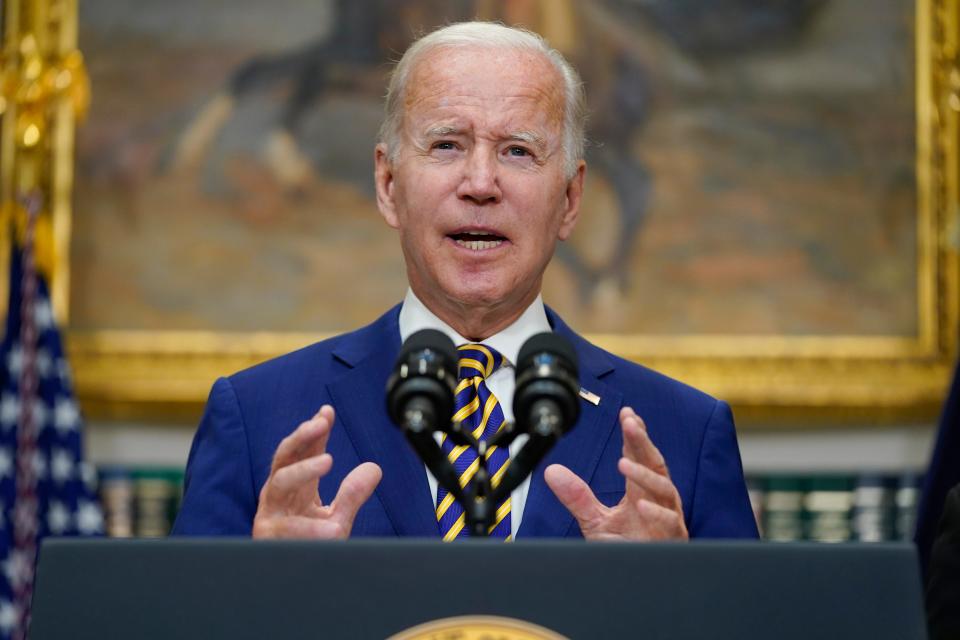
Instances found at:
x=551 y=343
x=432 y=339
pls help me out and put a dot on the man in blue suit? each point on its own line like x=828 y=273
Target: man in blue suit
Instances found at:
x=479 y=169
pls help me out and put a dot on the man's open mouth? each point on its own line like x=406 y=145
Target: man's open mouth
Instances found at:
x=477 y=240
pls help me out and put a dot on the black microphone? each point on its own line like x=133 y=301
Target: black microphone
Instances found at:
x=546 y=400
x=420 y=390
x=420 y=395
x=546 y=404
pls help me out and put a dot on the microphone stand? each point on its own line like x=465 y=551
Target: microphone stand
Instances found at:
x=479 y=497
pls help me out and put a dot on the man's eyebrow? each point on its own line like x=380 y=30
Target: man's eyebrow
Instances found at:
x=530 y=138
x=443 y=130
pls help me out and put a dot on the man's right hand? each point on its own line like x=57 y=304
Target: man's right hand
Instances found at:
x=290 y=505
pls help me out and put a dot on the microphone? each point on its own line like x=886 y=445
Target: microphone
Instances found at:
x=546 y=404
x=420 y=394
x=421 y=388
x=546 y=400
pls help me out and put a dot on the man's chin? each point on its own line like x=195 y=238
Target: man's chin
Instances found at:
x=478 y=297
x=479 y=313
x=460 y=293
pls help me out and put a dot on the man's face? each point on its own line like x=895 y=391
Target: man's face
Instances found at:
x=477 y=191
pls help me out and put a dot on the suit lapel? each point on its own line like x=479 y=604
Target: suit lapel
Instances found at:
x=359 y=400
x=580 y=450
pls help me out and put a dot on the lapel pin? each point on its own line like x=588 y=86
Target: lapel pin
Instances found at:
x=590 y=396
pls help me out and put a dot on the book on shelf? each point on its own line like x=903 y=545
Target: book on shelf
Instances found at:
x=140 y=502
x=865 y=507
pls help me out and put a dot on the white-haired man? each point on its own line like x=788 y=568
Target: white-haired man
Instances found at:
x=480 y=170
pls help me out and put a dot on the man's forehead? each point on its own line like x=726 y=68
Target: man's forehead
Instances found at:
x=485 y=77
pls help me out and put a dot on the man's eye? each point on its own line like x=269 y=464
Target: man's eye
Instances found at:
x=518 y=152
x=444 y=146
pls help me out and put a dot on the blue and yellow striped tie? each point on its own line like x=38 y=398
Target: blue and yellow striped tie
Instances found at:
x=479 y=410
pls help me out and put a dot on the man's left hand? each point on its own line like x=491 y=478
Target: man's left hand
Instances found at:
x=650 y=509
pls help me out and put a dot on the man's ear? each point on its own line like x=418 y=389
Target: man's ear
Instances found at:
x=384 y=181
x=572 y=200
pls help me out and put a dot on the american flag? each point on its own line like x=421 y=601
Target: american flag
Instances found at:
x=45 y=487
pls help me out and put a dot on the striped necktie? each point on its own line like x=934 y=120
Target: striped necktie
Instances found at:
x=479 y=411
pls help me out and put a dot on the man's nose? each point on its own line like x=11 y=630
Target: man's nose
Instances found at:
x=480 y=183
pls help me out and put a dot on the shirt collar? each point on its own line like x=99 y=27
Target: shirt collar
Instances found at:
x=414 y=316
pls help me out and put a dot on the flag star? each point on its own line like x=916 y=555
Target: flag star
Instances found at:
x=63 y=370
x=66 y=416
x=9 y=411
x=44 y=362
x=58 y=518
x=43 y=315
x=39 y=464
x=8 y=616
x=89 y=518
x=61 y=465
x=6 y=462
x=15 y=360
x=17 y=567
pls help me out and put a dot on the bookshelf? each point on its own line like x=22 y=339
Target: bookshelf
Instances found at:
x=856 y=483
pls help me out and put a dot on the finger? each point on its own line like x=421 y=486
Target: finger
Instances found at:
x=309 y=439
x=628 y=420
x=662 y=523
x=295 y=485
x=654 y=486
x=354 y=491
x=637 y=445
x=292 y=477
x=574 y=494
x=298 y=445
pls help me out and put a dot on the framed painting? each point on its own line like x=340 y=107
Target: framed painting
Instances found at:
x=771 y=208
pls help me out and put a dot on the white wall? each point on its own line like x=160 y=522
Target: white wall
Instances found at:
x=147 y=445
x=847 y=449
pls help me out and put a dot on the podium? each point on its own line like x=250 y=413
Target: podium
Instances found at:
x=229 y=588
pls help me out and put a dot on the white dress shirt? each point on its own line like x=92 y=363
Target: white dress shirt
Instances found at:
x=415 y=316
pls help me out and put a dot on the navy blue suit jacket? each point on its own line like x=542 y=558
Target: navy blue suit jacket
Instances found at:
x=249 y=413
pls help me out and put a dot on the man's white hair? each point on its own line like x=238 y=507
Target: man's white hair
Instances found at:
x=491 y=35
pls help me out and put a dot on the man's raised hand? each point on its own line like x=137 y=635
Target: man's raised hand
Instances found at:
x=650 y=509
x=290 y=506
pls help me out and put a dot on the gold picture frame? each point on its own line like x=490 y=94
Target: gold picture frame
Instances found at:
x=817 y=380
